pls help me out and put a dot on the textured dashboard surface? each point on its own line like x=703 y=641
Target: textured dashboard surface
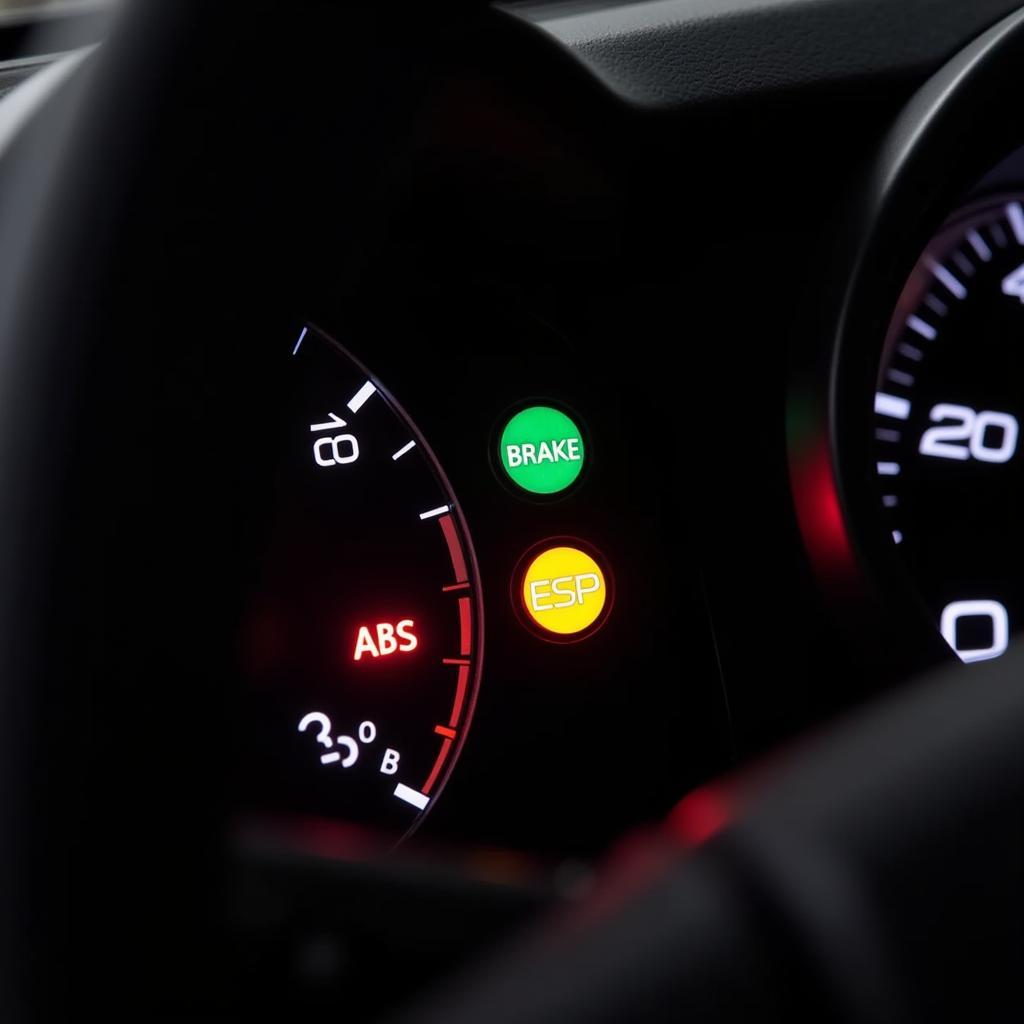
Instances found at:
x=668 y=53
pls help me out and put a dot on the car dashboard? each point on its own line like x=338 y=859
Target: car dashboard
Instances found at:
x=624 y=393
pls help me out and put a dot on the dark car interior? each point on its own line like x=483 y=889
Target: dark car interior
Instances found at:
x=508 y=513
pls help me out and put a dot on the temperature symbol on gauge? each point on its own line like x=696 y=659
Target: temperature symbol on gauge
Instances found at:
x=367 y=733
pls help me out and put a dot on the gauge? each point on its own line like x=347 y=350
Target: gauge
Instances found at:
x=362 y=647
x=948 y=408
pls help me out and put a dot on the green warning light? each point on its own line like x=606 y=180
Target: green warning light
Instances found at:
x=542 y=450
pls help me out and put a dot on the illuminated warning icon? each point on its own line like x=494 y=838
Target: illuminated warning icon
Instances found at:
x=541 y=450
x=565 y=591
x=384 y=638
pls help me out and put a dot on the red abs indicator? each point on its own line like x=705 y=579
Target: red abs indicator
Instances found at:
x=384 y=638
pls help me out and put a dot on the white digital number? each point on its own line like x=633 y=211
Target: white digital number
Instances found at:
x=342 y=450
x=1013 y=285
x=978 y=429
x=953 y=613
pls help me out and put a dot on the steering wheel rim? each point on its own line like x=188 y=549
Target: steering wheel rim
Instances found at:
x=115 y=820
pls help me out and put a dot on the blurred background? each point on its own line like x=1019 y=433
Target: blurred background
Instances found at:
x=24 y=5
x=35 y=32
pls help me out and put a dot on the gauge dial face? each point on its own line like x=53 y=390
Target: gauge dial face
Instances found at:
x=947 y=418
x=363 y=646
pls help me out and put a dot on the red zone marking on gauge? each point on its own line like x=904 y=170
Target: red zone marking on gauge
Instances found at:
x=465 y=627
x=454 y=548
x=448 y=733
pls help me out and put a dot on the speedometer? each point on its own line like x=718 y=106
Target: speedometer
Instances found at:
x=948 y=408
x=905 y=446
x=362 y=647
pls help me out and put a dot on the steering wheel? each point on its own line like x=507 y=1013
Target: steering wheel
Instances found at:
x=149 y=216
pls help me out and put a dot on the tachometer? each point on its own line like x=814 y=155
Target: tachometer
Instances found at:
x=362 y=649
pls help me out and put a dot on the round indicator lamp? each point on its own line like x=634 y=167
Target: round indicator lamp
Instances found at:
x=541 y=450
x=565 y=592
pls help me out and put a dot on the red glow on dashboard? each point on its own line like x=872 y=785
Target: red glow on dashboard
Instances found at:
x=820 y=514
x=701 y=815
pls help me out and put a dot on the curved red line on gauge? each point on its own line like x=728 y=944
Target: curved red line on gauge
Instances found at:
x=458 y=557
x=461 y=577
x=446 y=746
x=465 y=627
